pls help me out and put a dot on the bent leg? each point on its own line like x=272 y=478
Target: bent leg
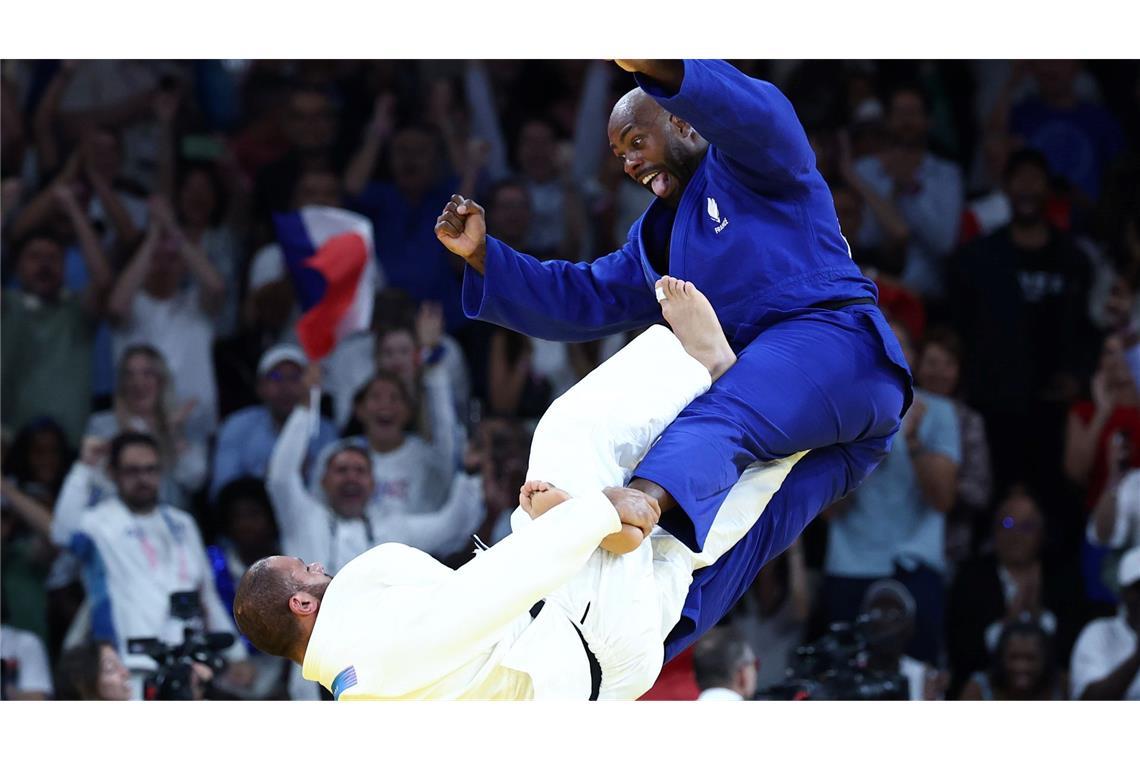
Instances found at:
x=593 y=435
x=817 y=480
x=806 y=383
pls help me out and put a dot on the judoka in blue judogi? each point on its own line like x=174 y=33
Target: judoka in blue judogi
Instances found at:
x=740 y=211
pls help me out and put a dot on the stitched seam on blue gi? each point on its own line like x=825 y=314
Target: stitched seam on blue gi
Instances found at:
x=346 y=679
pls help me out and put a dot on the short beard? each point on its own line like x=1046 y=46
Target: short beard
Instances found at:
x=316 y=590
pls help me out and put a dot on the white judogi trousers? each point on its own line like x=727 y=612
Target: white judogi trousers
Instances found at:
x=593 y=437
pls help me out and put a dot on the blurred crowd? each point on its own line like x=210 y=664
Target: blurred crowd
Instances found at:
x=158 y=436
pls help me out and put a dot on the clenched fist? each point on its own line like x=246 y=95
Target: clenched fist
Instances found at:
x=462 y=229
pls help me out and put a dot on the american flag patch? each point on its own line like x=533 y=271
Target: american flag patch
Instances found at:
x=346 y=679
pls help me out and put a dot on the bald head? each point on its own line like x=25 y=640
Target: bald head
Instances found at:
x=658 y=150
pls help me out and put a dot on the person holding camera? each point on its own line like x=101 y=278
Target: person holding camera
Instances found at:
x=136 y=553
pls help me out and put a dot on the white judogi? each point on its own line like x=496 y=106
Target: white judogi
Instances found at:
x=396 y=624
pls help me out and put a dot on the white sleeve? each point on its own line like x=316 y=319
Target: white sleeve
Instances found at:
x=447 y=530
x=284 y=482
x=191 y=468
x=441 y=417
x=1088 y=663
x=72 y=502
x=471 y=607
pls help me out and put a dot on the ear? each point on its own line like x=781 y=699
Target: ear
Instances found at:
x=303 y=604
x=682 y=126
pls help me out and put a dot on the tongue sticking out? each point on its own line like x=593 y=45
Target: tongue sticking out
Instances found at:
x=660 y=184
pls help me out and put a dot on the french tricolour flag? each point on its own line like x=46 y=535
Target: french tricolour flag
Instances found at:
x=329 y=255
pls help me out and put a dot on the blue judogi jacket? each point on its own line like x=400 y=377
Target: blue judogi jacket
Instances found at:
x=755 y=231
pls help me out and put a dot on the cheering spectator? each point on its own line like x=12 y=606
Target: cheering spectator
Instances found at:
x=92 y=671
x=1022 y=667
x=926 y=192
x=403 y=213
x=269 y=312
x=1106 y=658
x=310 y=123
x=1115 y=521
x=1109 y=424
x=203 y=214
x=144 y=403
x=136 y=553
x=1113 y=412
x=342 y=519
x=411 y=475
x=939 y=371
x=1078 y=138
x=38 y=458
x=1013 y=583
x=152 y=304
x=48 y=331
x=725 y=666
x=893 y=525
x=246 y=438
x=430 y=364
x=1020 y=302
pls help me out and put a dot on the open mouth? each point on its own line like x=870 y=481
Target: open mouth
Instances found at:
x=658 y=181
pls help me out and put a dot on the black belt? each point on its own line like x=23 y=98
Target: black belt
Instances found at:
x=595 y=666
x=833 y=305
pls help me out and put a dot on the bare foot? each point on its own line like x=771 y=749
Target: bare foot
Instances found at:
x=537 y=497
x=695 y=324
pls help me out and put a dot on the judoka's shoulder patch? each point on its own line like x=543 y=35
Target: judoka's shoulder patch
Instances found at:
x=346 y=679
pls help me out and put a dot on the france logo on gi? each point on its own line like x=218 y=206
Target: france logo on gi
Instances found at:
x=714 y=214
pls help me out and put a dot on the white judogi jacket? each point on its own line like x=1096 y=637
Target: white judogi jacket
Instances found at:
x=400 y=625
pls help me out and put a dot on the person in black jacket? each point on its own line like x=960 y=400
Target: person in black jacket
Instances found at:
x=1014 y=582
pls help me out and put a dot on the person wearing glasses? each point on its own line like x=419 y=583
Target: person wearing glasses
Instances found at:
x=1018 y=581
x=135 y=553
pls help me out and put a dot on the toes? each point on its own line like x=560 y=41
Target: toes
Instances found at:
x=689 y=288
x=674 y=287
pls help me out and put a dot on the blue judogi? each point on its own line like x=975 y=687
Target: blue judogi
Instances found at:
x=756 y=232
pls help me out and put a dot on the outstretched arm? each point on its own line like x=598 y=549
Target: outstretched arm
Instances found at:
x=555 y=300
x=470 y=609
x=747 y=120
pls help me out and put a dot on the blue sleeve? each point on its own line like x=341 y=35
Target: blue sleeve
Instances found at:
x=749 y=122
x=95 y=583
x=558 y=300
x=227 y=456
x=939 y=431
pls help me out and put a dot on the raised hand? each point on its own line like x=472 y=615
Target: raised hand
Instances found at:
x=429 y=324
x=383 y=115
x=462 y=228
x=93 y=451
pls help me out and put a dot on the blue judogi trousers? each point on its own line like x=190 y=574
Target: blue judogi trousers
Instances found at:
x=817 y=380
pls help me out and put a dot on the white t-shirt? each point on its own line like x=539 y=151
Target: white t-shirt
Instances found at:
x=1101 y=647
x=184 y=334
x=133 y=563
x=1126 y=528
x=27 y=652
